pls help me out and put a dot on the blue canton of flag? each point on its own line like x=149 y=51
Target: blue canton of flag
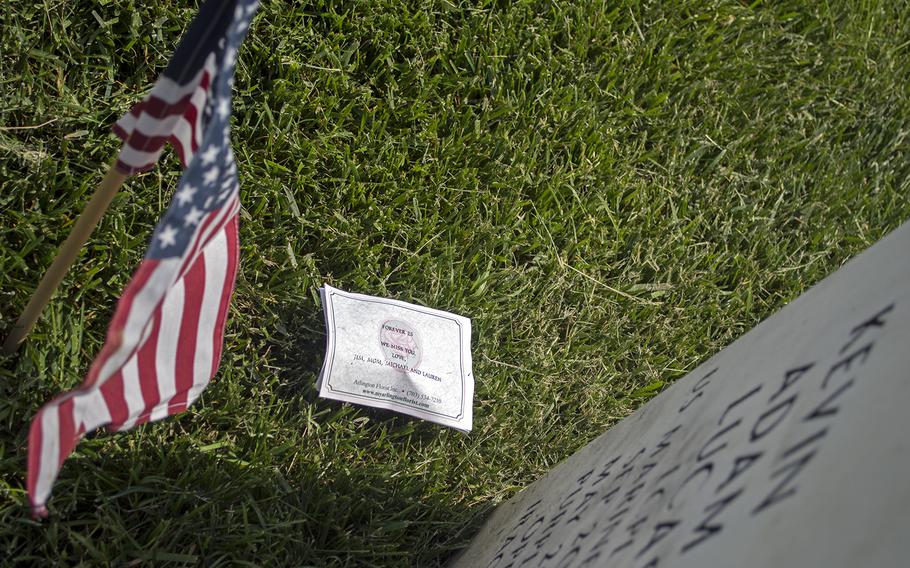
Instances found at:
x=206 y=186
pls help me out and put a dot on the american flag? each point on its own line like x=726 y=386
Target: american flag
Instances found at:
x=165 y=339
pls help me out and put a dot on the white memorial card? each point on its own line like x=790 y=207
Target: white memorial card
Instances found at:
x=398 y=356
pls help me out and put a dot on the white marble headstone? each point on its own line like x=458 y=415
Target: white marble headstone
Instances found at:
x=791 y=447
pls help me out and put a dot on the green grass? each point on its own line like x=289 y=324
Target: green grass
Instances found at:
x=611 y=191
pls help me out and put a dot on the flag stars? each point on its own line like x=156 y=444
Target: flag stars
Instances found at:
x=168 y=236
x=210 y=155
x=185 y=195
x=193 y=217
x=230 y=56
x=224 y=109
x=211 y=175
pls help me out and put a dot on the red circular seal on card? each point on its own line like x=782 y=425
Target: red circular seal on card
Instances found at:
x=400 y=344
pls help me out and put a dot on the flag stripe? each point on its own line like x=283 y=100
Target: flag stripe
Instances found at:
x=223 y=274
x=132 y=393
x=37 y=450
x=132 y=161
x=198 y=122
x=49 y=452
x=67 y=424
x=115 y=397
x=165 y=355
x=194 y=284
x=233 y=260
x=182 y=140
x=146 y=363
x=90 y=411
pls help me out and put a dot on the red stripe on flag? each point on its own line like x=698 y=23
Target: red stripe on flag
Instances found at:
x=112 y=391
x=230 y=279
x=35 y=439
x=68 y=432
x=194 y=287
x=148 y=376
x=153 y=107
x=140 y=141
x=120 y=132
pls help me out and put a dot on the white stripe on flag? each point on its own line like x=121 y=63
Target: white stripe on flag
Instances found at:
x=150 y=126
x=215 y=256
x=90 y=410
x=199 y=100
x=132 y=392
x=127 y=122
x=183 y=133
x=50 y=452
x=166 y=352
x=137 y=158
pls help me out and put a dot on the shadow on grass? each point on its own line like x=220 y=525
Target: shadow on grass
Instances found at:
x=393 y=480
x=320 y=483
x=186 y=504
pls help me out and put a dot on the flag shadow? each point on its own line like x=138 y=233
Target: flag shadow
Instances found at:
x=183 y=502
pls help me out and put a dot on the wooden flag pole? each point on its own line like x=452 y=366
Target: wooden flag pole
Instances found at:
x=67 y=254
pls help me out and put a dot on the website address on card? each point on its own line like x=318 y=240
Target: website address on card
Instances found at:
x=396 y=398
